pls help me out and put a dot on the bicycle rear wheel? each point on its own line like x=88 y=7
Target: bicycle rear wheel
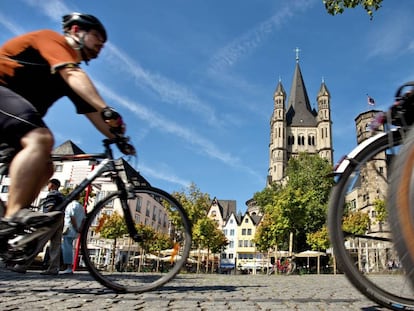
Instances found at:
x=120 y=263
x=363 y=254
x=401 y=204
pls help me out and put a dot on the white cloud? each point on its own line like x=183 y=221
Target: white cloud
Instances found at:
x=10 y=25
x=168 y=90
x=229 y=55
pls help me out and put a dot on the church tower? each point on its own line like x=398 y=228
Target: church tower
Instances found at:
x=298 y=128
x=277 y=147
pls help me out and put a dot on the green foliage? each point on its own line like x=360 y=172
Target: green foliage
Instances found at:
x=319 y=240
x=356 y=222
x=148 y=235
x=334 y=7
x=207 y=235
x=194 y=202
x=82 y=196
x=161 y=241
x=111 y=227
x=380 y=210
x=299 y=206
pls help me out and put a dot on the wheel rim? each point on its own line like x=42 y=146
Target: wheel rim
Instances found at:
x=128 y=266
x=389 y=288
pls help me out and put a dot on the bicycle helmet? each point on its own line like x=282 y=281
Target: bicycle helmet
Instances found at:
x=85 y=21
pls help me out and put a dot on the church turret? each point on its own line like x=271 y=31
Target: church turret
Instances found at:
x=277 y=145
x=324 y=123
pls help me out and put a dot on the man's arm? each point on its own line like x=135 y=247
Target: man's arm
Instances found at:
x=74 y=223
x=80 y=83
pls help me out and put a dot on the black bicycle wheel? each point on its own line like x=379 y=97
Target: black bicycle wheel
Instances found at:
x=401 y=204
x=364 y=256
x=121 y=264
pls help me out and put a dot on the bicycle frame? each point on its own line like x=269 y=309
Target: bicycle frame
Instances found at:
x=348 y=159
x=106 y=166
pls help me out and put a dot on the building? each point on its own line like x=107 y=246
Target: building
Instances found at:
x=370 y=185
x=239 y=231
x=297 y=127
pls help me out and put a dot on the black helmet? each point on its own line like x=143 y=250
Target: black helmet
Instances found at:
x=85 y=21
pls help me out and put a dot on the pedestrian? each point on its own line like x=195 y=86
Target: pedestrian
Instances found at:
x=52 y=255
x=74 y=216
x=48 y=204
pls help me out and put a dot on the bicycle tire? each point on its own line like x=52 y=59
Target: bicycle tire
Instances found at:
x=400 y=207
x=123 y=265
x=389 y=290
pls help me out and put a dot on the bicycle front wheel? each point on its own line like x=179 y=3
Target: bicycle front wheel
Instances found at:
x=401 y=204
x=363 y=246
x=120 y=263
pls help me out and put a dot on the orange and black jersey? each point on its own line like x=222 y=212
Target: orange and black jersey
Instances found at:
x=29 y=66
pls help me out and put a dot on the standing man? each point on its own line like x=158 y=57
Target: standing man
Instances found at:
x=52 y=254
x=74 y=216
x=37 y=69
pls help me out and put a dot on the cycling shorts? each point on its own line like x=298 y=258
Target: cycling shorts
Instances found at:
x=17 y=118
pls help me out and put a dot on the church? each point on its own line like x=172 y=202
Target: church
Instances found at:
x=296 y=127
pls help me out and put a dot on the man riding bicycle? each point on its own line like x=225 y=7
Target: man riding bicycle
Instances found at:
x=36 y=69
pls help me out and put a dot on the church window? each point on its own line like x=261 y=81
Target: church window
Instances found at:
x=311 y=140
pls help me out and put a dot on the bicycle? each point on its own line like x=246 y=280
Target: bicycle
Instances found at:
x=287 y=267
x=168 y=229
x=362 y=181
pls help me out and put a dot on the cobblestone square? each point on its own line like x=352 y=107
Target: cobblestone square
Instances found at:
x=216 y=292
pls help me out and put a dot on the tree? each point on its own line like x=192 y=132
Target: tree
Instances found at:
x=355 y=222
x=380 y=210
x=319 y=240
x=194 y=202
x=111 y=227
x=299 y=206
x=334 y=7
x=206 y=235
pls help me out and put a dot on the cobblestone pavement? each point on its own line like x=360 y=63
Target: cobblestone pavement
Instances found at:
x=32 y=292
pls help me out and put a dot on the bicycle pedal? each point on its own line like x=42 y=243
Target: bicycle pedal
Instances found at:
x=21 y=240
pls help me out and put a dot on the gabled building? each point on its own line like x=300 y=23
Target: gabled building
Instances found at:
x=247 y=255
x=220 y=211
x=229 y=254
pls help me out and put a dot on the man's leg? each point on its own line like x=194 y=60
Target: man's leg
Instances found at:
x=55 y=249
x=30 y=169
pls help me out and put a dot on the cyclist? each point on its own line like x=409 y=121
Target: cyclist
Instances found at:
x=36 y=69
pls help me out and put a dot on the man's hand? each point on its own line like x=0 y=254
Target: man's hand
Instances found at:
x=114 y=120
x=126 y=148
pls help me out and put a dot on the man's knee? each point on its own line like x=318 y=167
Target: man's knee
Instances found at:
x=40 y=138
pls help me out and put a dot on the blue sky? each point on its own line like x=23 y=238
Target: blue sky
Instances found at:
x=194 y=79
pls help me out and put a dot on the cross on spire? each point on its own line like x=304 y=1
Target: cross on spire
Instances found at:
x=297 y=50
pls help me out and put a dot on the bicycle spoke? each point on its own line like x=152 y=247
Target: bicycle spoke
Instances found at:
x=128 y=266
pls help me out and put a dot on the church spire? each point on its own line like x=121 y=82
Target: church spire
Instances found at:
x=299 y=112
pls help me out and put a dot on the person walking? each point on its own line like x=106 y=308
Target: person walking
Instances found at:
x=74 y=216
